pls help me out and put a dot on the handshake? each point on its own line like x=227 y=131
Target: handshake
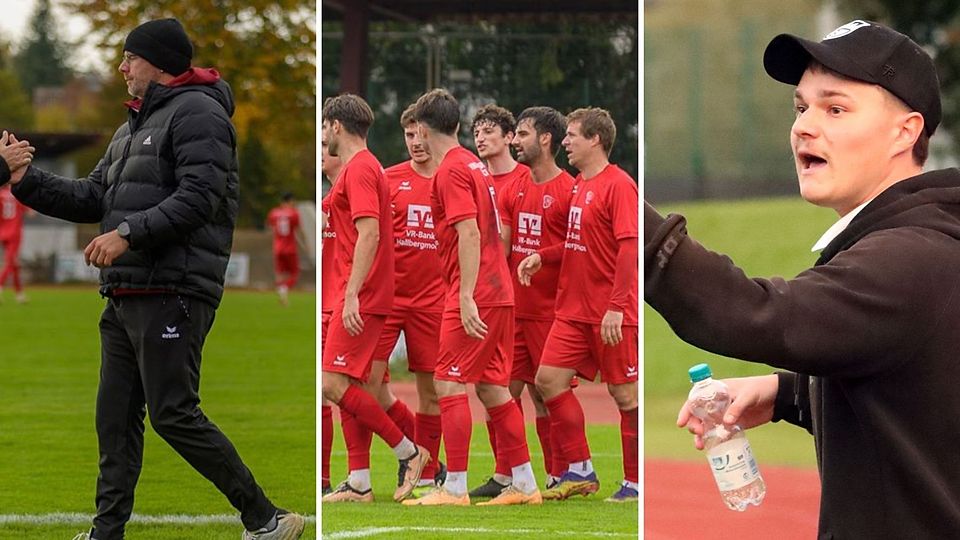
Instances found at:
x=16 y=155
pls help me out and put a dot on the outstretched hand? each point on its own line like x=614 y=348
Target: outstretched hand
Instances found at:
x=751 y=405
x=17 y=154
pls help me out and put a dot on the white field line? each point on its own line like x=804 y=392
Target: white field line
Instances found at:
x=376 y=531
x=65 y=518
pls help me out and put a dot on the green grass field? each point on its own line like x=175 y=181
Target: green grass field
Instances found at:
x=258 y=386
x=576 y=518
x=766 y=238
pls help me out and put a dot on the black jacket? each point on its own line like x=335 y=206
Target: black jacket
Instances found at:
x=4 y=172
x=875 y=329
x=171 y=173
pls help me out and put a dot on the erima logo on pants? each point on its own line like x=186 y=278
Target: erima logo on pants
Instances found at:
x=171 y=333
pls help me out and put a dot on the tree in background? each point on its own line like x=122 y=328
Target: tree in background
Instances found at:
x=265 y=49
x=565 y=63
x=41 y=59
x=934 y=25
x=16 y=112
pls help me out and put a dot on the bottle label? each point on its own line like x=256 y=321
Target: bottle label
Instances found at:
x=733 y=464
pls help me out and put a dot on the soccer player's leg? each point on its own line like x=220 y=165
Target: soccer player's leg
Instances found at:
x=567 y=353
x=535 y=337
x=618 y=368
x=326 y=427
x=422 y=331
x=461 y=360
x=492 y=389
x=346 y=360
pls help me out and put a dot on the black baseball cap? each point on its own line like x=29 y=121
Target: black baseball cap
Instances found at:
x=868 y=52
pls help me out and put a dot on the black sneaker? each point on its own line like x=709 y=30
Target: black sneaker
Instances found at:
x=441 y=476
x=326 y=490
x=491 y=488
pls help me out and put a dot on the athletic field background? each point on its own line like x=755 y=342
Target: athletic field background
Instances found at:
x=257 y=384
x=766 y=238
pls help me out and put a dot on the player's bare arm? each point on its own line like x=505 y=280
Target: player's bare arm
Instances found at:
x=368 y=237
x=468 y=254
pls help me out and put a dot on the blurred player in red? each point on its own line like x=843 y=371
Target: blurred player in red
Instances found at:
x=597 y=315
x=285 y=222
x=330 y=166
x=476 y=333
x=11 y=232
x=417 y=300
x=359 y=205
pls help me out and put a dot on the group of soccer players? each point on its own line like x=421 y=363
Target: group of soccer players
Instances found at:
x=501 y=274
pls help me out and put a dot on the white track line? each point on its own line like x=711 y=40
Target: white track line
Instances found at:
x=64 y=518
x=490 y=454
x=375 y=531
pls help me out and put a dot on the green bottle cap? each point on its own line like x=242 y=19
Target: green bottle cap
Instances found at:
x=699 y=372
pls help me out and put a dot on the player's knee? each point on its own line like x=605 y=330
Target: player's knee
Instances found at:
x=625 y=395
x=334 y=385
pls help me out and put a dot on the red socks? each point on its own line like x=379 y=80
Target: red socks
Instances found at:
x=326 y=432
x=403 y=418
x=543 y=433
x=368 y=413
x=566 y=426
x=511 y=437
x=358 y=439
x=629 y=439
x=428 y=431
x=457 y=425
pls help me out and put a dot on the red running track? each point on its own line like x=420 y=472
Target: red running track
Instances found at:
x=681 y=502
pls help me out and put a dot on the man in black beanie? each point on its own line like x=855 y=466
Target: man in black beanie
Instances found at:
x=165 y=194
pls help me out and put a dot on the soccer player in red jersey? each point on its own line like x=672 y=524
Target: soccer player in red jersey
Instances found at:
x=597 y=314
x=285 y=222
x=11 y=233
x=493 y=130
x=476 y=333
x=360 y=213
x=330 y=166
x=534 y=214
x=417 y=300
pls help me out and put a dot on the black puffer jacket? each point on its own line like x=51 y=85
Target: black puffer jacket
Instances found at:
x=171 y=173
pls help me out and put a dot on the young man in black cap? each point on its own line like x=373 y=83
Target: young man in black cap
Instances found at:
x=869 y=333
x=165 y=194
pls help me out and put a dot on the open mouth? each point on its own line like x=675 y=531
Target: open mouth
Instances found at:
x=810 y=161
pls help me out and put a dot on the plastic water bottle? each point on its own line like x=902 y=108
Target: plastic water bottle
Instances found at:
x=728 y=452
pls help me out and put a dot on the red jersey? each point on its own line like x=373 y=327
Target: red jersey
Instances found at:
x=419 y=284
x=11 y=215
x=603 y=210
x=330 y=274
x=361 y=191
x=537 y=217
x=462 y=189
x=284 y=221
x=502 y=181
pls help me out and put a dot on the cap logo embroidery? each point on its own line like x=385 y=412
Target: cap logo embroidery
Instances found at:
x=848 y=28
x=888 y=71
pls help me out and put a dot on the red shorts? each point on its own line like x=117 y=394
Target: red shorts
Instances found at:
x=577 y=345
x=529 y=337
x=286 y=263
x=421 y=331
x=351 y=355
x=465 y=359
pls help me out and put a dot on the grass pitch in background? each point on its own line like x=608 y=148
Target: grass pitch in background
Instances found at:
x=257 y=385
x=766 y=238
x=578 y=517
